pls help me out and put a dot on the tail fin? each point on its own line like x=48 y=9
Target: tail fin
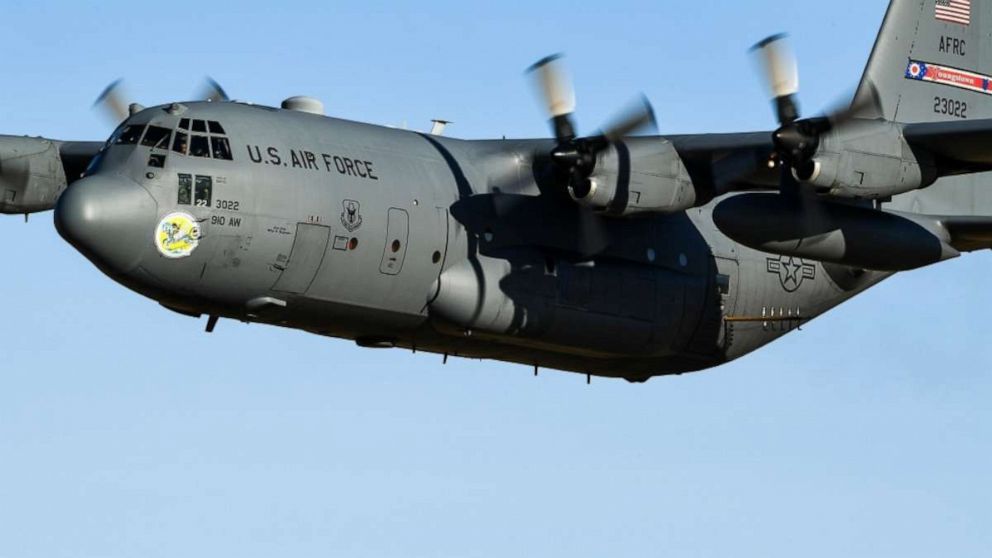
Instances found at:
x=932 y=62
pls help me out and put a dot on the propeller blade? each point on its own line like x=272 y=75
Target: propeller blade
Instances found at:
x=843 y=113
x=113 y=104
x=555 y=90
x=212 y=91
x=636 y=117
x=781 y=75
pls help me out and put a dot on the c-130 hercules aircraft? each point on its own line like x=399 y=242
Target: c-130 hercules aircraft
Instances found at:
x=607 y=255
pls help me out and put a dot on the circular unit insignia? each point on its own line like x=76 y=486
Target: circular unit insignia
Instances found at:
x=177 y=235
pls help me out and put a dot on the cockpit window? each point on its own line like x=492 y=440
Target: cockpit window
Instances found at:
x=221 y=148
x=95 y=163
x=130 y=135
x=113 y=137
x=208 y=142
x=157 y=136
x=181 y=143
x=199 y=147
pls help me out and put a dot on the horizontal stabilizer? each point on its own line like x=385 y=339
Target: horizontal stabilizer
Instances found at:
x=968 y=233
x=958 y=147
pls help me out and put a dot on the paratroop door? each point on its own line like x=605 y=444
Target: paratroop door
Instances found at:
x=397 y=234
x=308 y=252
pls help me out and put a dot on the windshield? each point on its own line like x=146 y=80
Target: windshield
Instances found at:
x=202 y=138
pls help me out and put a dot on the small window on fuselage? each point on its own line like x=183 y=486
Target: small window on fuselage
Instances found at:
x=156 y=160
x=185 y=189
x=215 y=127
x=204 y=191
x=184 y=124
x=199 y=126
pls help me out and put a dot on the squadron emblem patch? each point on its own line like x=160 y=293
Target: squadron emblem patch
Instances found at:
x=351 y=217
x=177 y=235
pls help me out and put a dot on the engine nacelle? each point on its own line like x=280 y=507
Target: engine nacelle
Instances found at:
x=869 y=160
x=637 y=176
x=31 y=174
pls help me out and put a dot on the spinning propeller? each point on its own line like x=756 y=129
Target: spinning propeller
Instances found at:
x=796 y=140
x=113 y=102
x=576 y=156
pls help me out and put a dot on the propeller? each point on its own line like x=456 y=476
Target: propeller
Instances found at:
x=211 y=91
x=576 y=156
x=113 y=101
x=797 y=139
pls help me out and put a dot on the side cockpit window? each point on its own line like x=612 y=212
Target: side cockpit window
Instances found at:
x=220 y=148
x=157 y=137
x=130 y=135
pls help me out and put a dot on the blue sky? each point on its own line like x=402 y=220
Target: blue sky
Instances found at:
x=126 y=431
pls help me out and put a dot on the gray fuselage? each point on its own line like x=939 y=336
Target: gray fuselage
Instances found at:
x=397 y=238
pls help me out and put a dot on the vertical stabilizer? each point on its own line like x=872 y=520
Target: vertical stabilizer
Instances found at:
x=932 y=62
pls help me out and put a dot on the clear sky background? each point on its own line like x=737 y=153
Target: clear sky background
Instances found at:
x=126 y=431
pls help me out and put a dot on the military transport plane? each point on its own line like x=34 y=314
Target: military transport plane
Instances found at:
x=615 y=254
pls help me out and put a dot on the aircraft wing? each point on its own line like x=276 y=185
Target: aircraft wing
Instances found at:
x=960 y=147
x=35 y=171
x=738 y=162
x=729 y=162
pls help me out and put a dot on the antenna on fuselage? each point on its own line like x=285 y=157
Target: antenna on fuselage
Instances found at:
x=438 y=126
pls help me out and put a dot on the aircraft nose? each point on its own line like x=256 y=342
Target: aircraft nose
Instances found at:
x=110 y=219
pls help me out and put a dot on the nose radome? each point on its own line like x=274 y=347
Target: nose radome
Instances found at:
x=110 y=219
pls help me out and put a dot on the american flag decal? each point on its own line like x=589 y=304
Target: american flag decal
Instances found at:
x=954 y=11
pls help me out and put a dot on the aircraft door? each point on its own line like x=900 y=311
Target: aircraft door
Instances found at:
x=727 y=284
x=309 y=248
x=397 y=235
